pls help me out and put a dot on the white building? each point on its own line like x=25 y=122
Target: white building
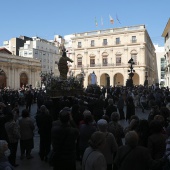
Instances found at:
x=160 y=63
x=43 y=50
x=166 y=35
x=107 y=52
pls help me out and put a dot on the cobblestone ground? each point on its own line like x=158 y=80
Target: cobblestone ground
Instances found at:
x=36 y=163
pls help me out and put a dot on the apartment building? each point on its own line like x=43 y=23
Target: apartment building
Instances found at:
x=107 y=52
x=160 y=64
x=45 y=51
x=166 y=35
x=14 y=44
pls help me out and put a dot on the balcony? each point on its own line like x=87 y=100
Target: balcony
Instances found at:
x=133 y=41
x=79 y=46
x=105 y=43
x=105 y=64
x=117 y=42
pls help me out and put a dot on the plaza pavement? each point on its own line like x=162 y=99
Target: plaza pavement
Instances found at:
x=36 y=163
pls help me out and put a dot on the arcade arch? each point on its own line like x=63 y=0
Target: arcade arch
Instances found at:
x=118 y=79
x=105 y=80
x=135 y=79
x=2 y=79
x=23 y=79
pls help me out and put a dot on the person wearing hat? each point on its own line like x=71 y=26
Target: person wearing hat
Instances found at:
x=4 y=153
x=64 y=138
x=93 y=158
x=109 y=150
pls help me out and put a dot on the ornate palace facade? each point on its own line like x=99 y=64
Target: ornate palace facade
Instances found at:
x=107 y=52
x=17 y=71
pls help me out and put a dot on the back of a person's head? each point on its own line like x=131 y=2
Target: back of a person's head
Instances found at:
x=102 y=125
x=25 y=113
x=115 y=116
x=155 y=126
x=131 y=139
x=110 y=101
x=64 y=115
x=97 y=138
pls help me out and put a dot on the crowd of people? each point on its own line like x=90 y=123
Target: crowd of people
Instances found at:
x=86 y=128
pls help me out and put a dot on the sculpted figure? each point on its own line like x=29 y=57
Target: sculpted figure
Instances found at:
x=62 y=65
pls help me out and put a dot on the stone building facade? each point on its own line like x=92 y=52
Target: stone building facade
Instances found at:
x=17 y=71
x=107 y=52
x=166 y=35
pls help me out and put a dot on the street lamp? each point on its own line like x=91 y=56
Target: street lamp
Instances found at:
x=146 y=79
x=129 y=82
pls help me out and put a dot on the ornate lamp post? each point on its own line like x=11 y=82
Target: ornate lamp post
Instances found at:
x=131 y=71
x=146 y=79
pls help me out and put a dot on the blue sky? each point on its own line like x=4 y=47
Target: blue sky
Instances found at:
x=45 y=18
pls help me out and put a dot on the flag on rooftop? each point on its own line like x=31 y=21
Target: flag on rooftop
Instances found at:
x=111 y=19
x=96 y=22
x=118 y=19
x=101 y=20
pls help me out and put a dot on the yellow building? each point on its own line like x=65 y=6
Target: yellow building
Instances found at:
x=17 y=71
x=166 y=35
x=107 y=52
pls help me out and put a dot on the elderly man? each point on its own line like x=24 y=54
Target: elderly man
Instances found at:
x=134 y=157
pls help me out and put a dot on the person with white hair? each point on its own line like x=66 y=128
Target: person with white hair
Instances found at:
x=132 y=156
x=93 y=159
x=4 y=153
x=109 y=150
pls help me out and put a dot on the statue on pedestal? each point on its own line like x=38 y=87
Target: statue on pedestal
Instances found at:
x=62 y=65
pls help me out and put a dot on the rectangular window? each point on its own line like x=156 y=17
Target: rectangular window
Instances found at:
x=92 y=62
x=134 y=39
x=104 y=61
x=79 y=62
x=118 y=61
x=104 y=41
x=36 y=51
x=117 y=40
x=92 y=43
x=79 y=44
x=30 y=53
x=25 y=52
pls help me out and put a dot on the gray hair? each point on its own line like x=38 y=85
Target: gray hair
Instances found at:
x=131 y=139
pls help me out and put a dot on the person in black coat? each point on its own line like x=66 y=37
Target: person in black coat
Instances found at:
x=44 y=124
x=64 y=142
x=130 y=110
x=110 y=108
